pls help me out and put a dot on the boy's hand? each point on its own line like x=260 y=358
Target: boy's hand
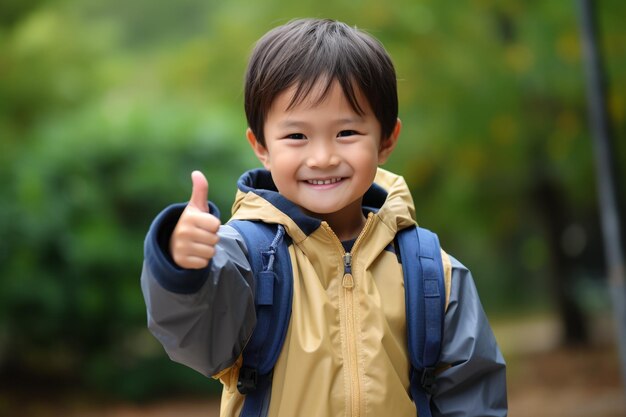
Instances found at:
x=193 y=241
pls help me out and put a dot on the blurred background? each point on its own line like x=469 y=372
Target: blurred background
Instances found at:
x=107 y=106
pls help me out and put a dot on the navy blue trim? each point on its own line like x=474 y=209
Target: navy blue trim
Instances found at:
x=348 y=244
x=259 y=181
x=159 y=261
x=375 y=197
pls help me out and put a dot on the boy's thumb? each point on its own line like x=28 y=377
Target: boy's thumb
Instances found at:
x=199 y=191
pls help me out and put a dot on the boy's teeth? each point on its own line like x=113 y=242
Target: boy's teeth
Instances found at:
x=323 y=182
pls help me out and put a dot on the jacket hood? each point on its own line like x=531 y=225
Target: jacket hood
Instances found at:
x=258 y=199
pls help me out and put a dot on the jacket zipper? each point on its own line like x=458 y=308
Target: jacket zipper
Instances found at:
x=347 y=283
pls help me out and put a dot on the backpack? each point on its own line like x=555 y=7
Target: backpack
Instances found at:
x=419 y=253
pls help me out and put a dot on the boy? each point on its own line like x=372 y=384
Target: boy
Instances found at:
x=321 y=105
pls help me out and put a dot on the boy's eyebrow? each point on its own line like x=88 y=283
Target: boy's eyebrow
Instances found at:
x=353 y=119
x=290 y=123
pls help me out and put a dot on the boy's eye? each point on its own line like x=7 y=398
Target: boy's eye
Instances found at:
x=345 y=133
x=295 y=136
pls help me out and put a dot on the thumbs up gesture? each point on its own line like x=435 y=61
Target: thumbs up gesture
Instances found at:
x=193 y=241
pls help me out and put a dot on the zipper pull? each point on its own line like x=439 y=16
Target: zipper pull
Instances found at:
x=348 y=280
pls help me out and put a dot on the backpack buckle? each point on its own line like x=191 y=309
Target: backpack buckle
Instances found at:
x=247 y=382
x=428 y=379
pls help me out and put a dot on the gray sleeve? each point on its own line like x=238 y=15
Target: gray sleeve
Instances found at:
x=205 y=328
x=475 y=382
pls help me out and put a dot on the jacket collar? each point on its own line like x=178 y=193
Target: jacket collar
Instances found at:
x=259 y=182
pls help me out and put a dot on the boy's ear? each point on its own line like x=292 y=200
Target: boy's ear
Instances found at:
x=259 y=150
x=388 y=145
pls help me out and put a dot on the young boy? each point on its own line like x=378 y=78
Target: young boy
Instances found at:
x=321 y=104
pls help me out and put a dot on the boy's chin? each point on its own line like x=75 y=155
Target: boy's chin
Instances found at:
x=323 y=212
x=318 y=212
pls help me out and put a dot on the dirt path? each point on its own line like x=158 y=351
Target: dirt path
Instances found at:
x=567 y=383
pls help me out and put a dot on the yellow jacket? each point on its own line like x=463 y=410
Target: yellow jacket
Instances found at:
x=345 y=353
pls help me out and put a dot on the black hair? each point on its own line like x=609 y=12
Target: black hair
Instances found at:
x=305 y=51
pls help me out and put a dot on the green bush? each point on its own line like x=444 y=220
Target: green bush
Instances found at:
x=78 y=204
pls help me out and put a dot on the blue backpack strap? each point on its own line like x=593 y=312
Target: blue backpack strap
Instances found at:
x=268 y=254
x=422 y=267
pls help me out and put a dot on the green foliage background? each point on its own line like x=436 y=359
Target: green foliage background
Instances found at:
x=107 y=106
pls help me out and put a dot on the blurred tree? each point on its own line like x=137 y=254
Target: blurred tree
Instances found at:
x=12 y=11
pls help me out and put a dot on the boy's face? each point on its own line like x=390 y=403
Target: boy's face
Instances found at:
x=323 y=156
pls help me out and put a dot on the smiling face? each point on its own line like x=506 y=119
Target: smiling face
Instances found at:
x=323 y=155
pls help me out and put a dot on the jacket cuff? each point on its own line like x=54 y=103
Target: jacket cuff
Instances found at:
x=159 y=260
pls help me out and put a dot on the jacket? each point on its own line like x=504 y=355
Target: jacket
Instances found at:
x=345 y=353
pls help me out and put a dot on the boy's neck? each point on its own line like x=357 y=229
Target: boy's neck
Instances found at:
x=346 y=223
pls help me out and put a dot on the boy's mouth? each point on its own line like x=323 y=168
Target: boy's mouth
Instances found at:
x=324 y=182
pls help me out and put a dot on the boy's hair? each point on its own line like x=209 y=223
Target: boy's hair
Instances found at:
x=305 y=51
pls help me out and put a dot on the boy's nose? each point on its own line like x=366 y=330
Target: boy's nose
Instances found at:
x=322 y=156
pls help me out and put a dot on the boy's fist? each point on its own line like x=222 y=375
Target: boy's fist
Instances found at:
x=193 y=241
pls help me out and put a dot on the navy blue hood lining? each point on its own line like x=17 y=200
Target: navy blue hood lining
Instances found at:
x=259 y=181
